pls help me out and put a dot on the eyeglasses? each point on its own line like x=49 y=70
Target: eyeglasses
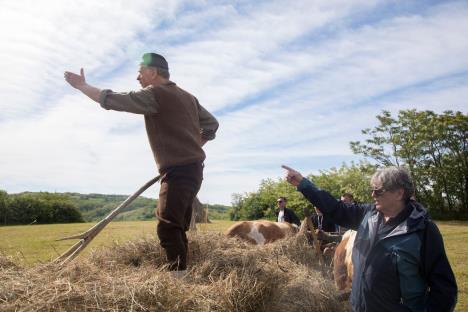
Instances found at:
x=280 y=201
x=378 y=192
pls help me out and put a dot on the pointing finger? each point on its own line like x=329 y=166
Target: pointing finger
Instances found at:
x=287 y=168
x=82 y=72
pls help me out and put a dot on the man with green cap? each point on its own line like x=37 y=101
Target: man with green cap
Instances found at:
x=177 y=127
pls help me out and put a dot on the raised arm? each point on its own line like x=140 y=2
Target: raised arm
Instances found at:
x=137 y=102
x=339 y=213
x=79 y=82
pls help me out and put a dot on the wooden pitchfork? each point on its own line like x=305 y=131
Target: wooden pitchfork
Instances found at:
x=307 y=224
x=87 y=237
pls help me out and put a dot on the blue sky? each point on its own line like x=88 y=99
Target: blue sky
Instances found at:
x=290 y=82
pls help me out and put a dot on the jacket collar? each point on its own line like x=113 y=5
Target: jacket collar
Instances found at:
x=414 y=222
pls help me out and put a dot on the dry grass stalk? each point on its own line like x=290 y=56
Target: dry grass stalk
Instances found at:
x=224 y=275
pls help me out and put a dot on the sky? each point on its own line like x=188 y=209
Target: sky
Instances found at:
x=290 y=82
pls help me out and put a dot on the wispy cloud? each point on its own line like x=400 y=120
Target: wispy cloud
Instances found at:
x=291 y=82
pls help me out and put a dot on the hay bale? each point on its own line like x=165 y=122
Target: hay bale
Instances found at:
x=224 y=275
x=7 y=262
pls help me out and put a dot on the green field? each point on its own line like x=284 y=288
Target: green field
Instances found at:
x=32 y=244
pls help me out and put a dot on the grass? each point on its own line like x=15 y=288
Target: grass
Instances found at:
x=36 y=243
x=455 y=239
x=31 y=244
x=225 y=275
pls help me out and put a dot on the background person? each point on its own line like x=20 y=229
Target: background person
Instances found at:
x=398 y=256
x=177 y=127
x=285 y=214
x=321 y=222
x=347 y=198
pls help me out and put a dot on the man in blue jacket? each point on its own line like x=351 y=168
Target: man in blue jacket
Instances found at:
x=398 y=256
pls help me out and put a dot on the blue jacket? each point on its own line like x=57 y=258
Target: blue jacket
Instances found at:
x=406 y=270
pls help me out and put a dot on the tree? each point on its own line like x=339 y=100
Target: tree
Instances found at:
x=3 y=207
x=433 y=147
x=354 y=179
x=262 y=203
x=26 y=208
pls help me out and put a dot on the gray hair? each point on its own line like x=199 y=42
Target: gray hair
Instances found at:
x=394 y=178
x=161 y=71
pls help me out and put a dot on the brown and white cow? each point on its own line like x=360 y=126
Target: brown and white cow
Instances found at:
x=261 y=232
x=342 y=263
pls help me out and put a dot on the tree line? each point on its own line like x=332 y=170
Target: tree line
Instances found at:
x=433 y=147
x=41 y=208
x=261 y=204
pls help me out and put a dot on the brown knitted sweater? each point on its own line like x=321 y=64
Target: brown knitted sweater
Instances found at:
x=175 y=121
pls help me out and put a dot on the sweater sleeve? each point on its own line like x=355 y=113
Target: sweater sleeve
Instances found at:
x=208 y=123
x=137 y=102
x=345 y=215
x=439 y=275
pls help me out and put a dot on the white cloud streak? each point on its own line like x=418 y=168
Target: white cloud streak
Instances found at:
x=291 y=83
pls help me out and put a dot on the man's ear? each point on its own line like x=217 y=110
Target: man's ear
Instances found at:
x=154 y=73
x=401 y=194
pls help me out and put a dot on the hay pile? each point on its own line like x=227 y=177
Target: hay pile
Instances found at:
x=224 y=275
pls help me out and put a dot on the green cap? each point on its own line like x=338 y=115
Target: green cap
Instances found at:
x=154 y=60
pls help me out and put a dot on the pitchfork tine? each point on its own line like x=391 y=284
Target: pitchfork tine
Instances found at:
x=69 y=251
x=87 y=237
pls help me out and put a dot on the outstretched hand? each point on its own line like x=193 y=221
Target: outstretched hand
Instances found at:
x=75 y=80
x=292 y=176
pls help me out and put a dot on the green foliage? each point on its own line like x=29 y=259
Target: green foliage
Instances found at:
x=218 y=212
x=354 y=179
x=433 y=146
x=262 y=204
x=4 y=210
x=96 y=206
x=27 y=208
x=44 y=207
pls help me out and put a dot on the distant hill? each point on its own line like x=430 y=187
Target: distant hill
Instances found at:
x=94 y=207
x=218 y=212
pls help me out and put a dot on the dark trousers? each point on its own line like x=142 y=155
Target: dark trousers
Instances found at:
x=179 y=186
